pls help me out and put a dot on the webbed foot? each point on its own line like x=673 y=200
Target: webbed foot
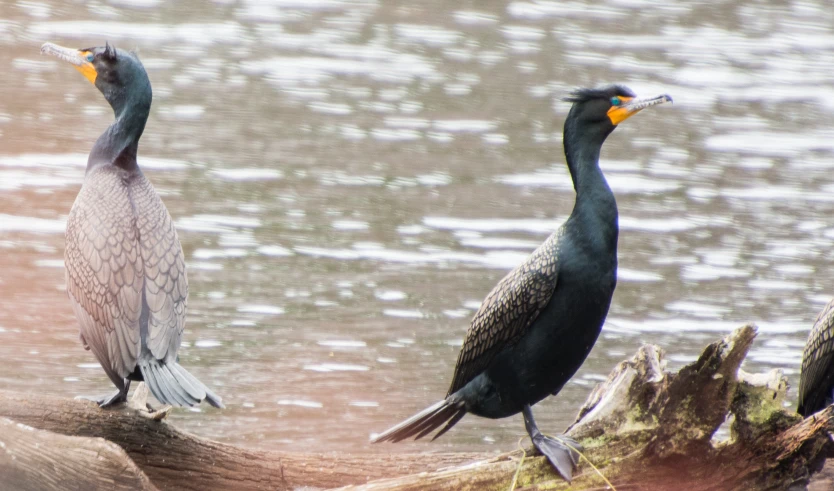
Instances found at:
x=561 y=453
x=118 y=397
x=562 y=457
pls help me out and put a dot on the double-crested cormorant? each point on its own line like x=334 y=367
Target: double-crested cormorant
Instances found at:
x=816 y=381
x=537 y=326
x=125 y=269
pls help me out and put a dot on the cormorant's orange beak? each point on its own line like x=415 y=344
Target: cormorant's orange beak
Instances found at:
x=77 y=58
x=629 y=106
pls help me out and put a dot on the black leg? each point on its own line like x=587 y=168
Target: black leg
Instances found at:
x=561 y=457
x=118 y=397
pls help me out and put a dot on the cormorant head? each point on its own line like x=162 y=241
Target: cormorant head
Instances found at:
x=118 y=74
x=596 y=112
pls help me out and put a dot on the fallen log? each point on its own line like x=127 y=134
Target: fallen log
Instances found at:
x=643 y=429
x=650 y=430
x=177 y=460
x=37 y=460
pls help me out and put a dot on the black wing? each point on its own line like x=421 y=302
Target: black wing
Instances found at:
x=816 y=379
x=508 y=311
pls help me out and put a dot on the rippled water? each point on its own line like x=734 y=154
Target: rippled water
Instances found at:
x=350 y=178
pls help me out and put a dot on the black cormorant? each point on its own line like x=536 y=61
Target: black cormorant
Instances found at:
x=537 y=326
x=125 y=269
x=816 y=381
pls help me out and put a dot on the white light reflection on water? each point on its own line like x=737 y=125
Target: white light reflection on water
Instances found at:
x=300 y=403
x=336 y=367
x=343 y=344
x=261 y=309
x=38 y=160
x=390 y=295
x=380 y=65
x=11 y=223
x=188 y=34
x=247 y=174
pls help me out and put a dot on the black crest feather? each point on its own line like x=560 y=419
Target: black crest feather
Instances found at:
x=584 y=95
x=109 y=52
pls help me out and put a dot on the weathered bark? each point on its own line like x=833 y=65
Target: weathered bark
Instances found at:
x=173 y=459
x=37 y=460
x=646 y=429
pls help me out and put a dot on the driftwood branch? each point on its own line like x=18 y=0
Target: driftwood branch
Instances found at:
x=643 y=428
x=174 y=459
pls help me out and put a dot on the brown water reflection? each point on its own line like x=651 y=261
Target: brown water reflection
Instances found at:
x=350 y=178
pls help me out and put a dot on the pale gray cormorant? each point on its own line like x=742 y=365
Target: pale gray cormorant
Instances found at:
x=125 y=269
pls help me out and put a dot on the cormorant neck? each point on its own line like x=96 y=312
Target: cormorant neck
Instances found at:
x=119 y=143
x=583 y=163
x=595 y=204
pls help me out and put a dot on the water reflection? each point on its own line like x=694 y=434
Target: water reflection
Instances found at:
x=351 y=177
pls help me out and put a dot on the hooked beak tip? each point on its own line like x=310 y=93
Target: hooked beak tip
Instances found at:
x=67 y=54
x=72 y=56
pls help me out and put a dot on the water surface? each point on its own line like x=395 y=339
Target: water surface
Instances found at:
x=351 y=178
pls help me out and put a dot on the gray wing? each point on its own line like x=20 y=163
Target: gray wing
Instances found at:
x=818 y=360
x=104 y=272
x=166 y=283
x=508 y=311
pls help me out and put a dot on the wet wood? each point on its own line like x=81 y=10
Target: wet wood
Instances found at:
x=37 y=460
x=644 y=428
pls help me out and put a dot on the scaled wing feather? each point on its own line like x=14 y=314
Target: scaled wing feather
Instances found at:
x=104 y=272
x=166 y=285
x=508 y=311
x=818 y=359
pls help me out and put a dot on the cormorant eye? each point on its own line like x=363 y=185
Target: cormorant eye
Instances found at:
x=90 y=57
x=615 y=101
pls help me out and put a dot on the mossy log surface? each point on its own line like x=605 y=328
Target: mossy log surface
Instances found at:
x=647 y=429
x=644 y=428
